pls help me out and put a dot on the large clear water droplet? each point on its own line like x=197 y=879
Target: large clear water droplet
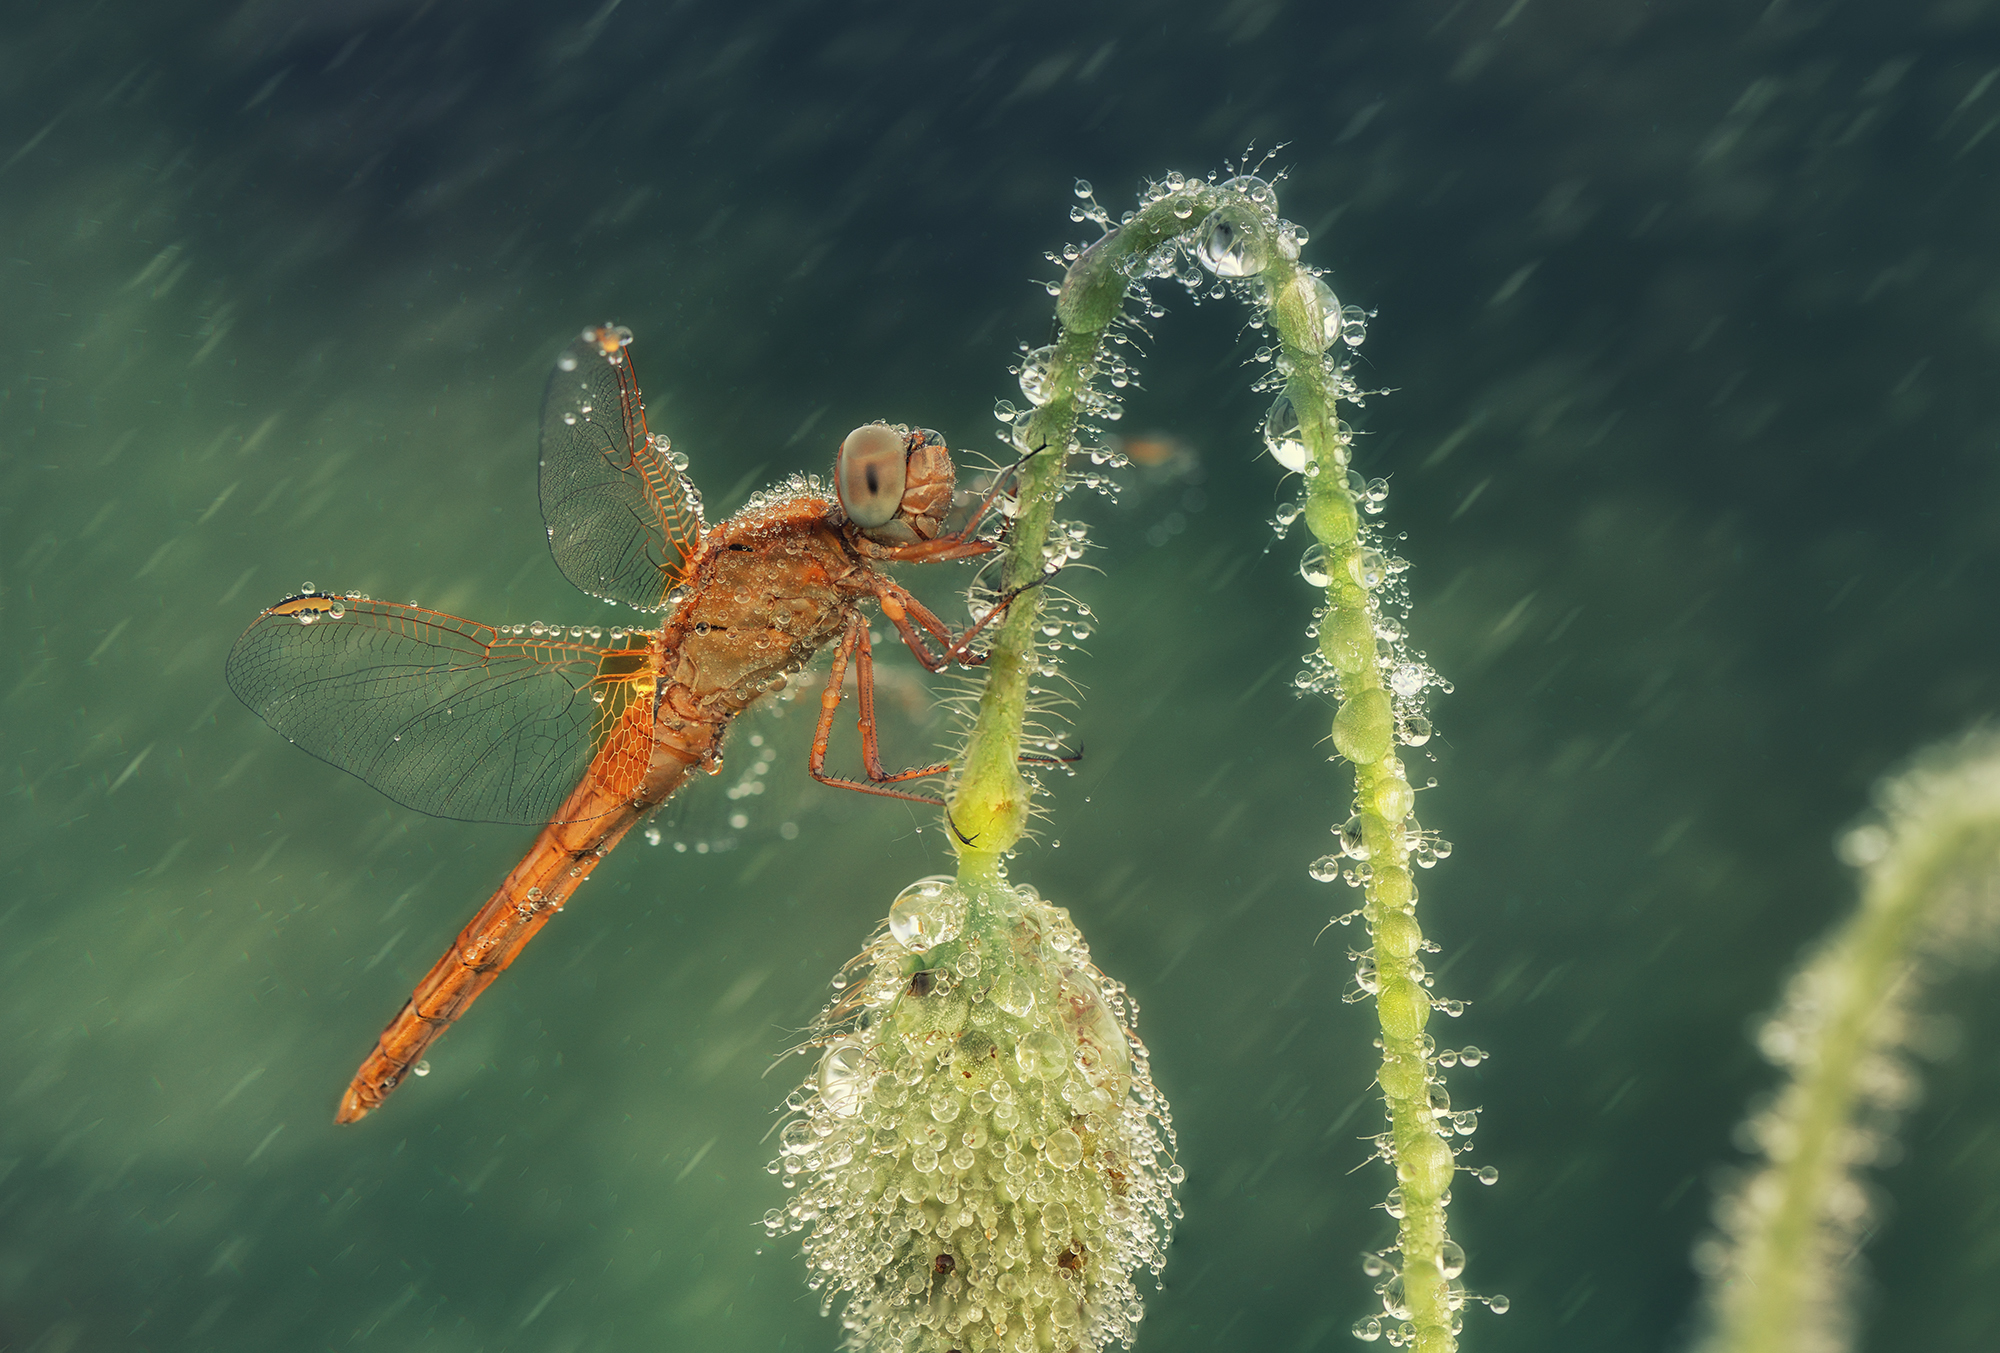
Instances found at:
x=1233 y=243
x=1014 y=996
x=1330 y=317
x=1451 y=1258
x=1312 y=566
x=1282 y=437
x=1352 y=841
x=1035 y=375
x=925 y=914
x=1368 y=568
x=1040 y=1055
x=842 y=1076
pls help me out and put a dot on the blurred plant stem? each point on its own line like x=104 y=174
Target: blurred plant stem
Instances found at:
x=1781 y=1274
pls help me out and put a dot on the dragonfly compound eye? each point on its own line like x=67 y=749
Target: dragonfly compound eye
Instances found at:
x=869 y=474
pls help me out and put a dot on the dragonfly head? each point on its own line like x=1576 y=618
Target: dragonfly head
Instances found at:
x=894 y=483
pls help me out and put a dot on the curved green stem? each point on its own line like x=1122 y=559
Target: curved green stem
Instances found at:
x=1242 y=239
x=991 y=800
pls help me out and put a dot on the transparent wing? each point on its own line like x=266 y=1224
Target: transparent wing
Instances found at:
x=623 y=520
x=444 y=715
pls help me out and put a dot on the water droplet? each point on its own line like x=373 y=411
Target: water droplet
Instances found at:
x=1282 y=437
x=1036 y=381
x=307 y=617
x=1487 y=1175
x=1065 y=1149
x=569 y=418
x=1407 y=678
x=1312 y=566
x=308 y=588
x=1368 y=568
x=422 y=1068
x=1014 y=996
x=1416 y=731
x=1498 y=1303
x=1254 y=188
x=1352 y=842
x=1325 y=869
x=1369 y=1330
x=1395 y=1299
x=1083 y=189
x=1040 y=1055
x=924 y=914
x=1331 y=318
x=1451 y=1258
x=1471 y=1056
x=1353 y=325
x=1233 y=242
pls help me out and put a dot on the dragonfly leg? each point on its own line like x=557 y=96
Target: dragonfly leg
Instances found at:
x=901 y=607
x=993 y=493
x=854 y=645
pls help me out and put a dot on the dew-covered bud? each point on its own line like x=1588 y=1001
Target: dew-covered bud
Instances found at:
x=982 y=1161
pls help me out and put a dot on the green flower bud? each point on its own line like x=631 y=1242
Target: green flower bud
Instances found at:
x=981 y=1161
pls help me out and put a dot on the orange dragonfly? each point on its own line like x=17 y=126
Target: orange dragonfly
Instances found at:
x=557 y=727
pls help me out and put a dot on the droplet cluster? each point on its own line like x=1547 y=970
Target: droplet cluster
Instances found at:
x=980 y=1161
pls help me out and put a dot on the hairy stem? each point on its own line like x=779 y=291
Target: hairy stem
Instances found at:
x=1233 y=229
x=1782 y=1274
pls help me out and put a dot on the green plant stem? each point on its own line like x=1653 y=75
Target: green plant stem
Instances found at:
x=1784 y=1281
x=991 y=801
x=989 y=809
x=1364 y=732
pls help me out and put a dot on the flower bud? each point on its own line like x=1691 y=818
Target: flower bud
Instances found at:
x=982 y=1161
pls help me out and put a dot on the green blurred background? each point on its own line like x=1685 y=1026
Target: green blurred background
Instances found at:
x=1690 y=311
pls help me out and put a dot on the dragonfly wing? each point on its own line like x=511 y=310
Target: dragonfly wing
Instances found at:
x=623 y=520
x=444 y=715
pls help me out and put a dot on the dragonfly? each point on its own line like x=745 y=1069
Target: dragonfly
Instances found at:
x=584 y=730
